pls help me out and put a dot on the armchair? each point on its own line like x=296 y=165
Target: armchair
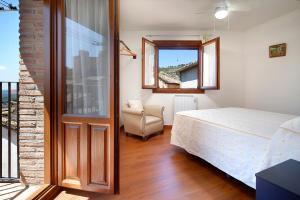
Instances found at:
x=143 y=122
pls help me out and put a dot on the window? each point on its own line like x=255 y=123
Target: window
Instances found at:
x=180 y=66
x=86 y=58
x=210 y=70
x=149 y=64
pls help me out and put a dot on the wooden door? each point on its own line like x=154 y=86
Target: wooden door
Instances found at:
x=86 y=94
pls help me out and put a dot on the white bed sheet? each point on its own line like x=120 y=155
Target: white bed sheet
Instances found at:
x=236 y=140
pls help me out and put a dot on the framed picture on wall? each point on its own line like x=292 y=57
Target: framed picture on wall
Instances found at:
x=277 y=50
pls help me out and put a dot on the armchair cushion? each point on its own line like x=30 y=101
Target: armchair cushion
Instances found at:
x=135 y=105
x=151 y=119
x=134 y=111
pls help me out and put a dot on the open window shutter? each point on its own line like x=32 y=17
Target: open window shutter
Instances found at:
x=149 y=69
x=210 y=68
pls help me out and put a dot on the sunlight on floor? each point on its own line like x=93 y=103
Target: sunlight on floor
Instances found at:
x=65 y=196
x=16 y=191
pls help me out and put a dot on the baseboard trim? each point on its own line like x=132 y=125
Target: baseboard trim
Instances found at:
x=165 y=126
x=168 y=126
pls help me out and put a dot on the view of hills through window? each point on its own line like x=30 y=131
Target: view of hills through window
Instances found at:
x=178 y=68
x=9 y=58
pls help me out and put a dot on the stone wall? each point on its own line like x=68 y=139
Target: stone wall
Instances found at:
x=31 y=91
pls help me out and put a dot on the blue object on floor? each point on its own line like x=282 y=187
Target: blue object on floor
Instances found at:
x=280 y=182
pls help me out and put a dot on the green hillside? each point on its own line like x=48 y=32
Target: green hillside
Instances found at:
x=5 y=96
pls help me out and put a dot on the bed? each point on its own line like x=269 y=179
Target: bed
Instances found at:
x=238 y=141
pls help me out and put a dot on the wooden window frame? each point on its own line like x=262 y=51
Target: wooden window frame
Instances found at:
x=217 y=86
x=183 y=45
x=144 y=42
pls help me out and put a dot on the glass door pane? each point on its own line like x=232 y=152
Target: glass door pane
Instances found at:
x=87 y=57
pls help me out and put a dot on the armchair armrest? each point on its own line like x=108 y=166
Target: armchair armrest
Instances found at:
x=133 y=120
x=154 y=110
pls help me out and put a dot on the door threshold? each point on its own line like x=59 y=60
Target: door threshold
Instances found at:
x=46 y=192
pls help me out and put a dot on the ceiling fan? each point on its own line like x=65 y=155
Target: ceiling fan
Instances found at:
x=221 y=8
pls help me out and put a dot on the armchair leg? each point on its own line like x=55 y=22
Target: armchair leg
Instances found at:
x=145 y=138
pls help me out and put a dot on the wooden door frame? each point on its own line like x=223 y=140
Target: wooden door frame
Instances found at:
x=51 y=29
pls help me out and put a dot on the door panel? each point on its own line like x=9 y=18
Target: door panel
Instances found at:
x=71 y=155
x=98 y=154
x=86 y=92
x=72 y=151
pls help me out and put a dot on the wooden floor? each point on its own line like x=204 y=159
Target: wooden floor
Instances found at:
x=154 y=169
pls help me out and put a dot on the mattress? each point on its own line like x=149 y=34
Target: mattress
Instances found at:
x=235 y=140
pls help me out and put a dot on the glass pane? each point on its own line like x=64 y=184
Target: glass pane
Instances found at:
x=87 y=57
x=209 y=65
x=178 y=68
x=149 y=64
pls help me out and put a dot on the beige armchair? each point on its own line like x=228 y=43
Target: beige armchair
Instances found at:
x=143 y=122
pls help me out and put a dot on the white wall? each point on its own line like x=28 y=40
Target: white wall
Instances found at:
x=249 y=77
x=273 y=83
x=231 y=93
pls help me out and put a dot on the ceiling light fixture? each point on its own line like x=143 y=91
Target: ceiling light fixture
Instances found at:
x=221 y=12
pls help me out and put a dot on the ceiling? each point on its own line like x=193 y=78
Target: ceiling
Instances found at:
x=169 y=15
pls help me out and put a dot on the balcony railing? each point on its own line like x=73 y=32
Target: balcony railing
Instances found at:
x=9 y=131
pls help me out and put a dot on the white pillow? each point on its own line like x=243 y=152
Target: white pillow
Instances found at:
x=292 y=125
x=135 y=105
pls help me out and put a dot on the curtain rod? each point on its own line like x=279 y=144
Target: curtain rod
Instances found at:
x=174 y=35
